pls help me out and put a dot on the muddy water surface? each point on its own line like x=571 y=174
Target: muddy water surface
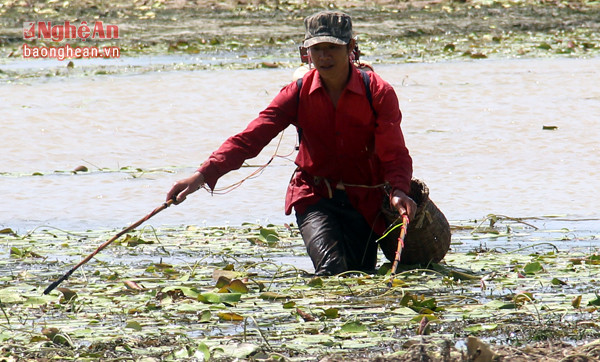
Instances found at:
x=475 y=131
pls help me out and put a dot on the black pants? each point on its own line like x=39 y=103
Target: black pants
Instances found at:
x=337 y=236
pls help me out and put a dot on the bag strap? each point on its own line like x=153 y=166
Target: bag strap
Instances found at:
x=367 y=81
x=298 y=128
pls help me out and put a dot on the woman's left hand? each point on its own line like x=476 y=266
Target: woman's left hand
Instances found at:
x=403 y=203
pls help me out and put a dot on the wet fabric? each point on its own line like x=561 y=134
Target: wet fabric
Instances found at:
x=337 y=237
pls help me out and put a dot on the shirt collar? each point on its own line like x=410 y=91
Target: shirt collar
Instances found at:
x=354 y=84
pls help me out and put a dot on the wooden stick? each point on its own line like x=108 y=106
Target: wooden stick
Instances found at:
x=106 y=243
x=400 y=247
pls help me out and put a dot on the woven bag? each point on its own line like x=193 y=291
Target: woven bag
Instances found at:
x=428 y=235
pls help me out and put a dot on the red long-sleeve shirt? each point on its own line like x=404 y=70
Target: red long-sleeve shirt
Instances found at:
x=346 y=144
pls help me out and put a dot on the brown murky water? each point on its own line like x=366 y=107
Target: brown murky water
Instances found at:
x=475 y=131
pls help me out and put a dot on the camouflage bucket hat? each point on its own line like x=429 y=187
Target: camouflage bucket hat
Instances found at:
x=327 y=27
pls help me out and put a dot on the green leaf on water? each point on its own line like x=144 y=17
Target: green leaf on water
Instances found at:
x=544 y=46
x=419 y=304
x=398 y=283
x=230 y=317
x=315 y=282
x=481 y=327
x=39 y=300
x=508 y=306
x=576 y=302
x=23 y=253
x=182 y=353
x=8 y=231
x=10 y=295
x=4 y=336
x=203 y=348
x=331 y=313
x=269 y=237
x=215 y=298
x=269 y=234
x=16 y=252
x=595 y=302
x=430 y=317
x=272 y=296
x=353 y=327
x=187 y=291
x=384 y=269
x=289 y=305
x=68 y=294
x=235 y=286
x=457 y=275
x=134 y=325
x=133 y=241
x=243 y=350
x=523 y=297
x=228 y=275
x=222 y=281
x=56 y=336
x=532 y=268
x=205 y=316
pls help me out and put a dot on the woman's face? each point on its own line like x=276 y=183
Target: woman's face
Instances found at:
x=329 y=59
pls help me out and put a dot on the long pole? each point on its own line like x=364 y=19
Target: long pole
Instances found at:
x=400 y=247
x=106 y=243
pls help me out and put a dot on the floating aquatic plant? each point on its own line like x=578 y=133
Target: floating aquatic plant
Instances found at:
x=224 y=292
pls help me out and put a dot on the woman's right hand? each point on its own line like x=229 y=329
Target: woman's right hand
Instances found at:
x=184 y=187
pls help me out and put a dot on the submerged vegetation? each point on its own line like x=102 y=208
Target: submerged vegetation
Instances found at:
x=509 y=287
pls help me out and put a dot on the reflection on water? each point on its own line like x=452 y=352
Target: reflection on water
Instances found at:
x=475 y=131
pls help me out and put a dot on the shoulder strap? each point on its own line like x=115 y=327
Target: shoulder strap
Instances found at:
x=299 y=85
x=367 y=81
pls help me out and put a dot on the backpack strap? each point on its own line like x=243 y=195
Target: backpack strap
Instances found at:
x=366 y=80
x=299 y=85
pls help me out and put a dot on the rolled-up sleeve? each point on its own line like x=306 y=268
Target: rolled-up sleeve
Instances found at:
x=248 y=143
